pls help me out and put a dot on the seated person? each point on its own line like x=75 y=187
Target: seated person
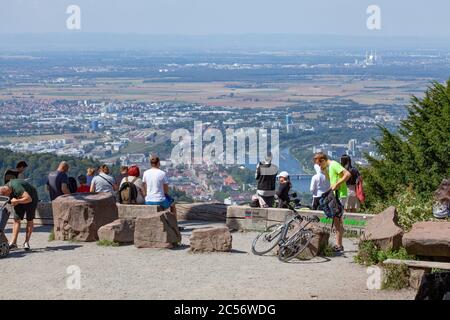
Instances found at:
x=133 y=174
x=283 y=190
x=156 y=184
x=258 y=202
x=83 y=187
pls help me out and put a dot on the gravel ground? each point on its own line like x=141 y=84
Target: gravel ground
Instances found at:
x=129 y=273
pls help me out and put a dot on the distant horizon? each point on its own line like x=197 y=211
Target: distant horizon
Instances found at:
x=81 y=40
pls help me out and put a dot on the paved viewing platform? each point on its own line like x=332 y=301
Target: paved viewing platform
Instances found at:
x=139 y=272
x=127 y=272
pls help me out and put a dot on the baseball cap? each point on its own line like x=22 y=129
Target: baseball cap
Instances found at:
x=283 y=174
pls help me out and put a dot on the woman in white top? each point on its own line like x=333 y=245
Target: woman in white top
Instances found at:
x=319 y=185
x=133 y=177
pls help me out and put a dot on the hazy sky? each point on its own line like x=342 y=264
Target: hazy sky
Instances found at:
x=199 y=17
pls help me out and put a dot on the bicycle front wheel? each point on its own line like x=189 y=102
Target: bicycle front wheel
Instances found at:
x=295 y=245
x=267 y=240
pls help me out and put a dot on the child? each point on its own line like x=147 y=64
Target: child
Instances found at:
x=84 y=187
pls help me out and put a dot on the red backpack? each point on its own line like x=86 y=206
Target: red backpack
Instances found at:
x=360 y=190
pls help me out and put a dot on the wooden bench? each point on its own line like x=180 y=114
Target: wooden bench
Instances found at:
x=418 y=268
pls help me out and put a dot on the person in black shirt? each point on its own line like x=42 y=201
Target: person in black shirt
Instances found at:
x=17 y=173
x=283 y=190
x=58 y=182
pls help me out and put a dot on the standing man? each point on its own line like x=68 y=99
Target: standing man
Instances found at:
x=24 y=200
x=338 y=176
x=17 y=173
x=58 y=182
x=266 y=176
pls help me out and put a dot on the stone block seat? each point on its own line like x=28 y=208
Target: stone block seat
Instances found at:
x=133 y=211
x=78 y=216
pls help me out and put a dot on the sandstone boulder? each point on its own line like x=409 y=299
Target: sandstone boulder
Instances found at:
x=319 y=240
x=384 y=231
x=211 y=239
x=78 y=216
x=428 y=238
x=157 y=230
x=120 y=230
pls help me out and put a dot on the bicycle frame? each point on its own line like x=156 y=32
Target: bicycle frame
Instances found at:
x=286 y=225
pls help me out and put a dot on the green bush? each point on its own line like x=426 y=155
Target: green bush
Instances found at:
x=326 y=251
x=107 y=243
x=396 y=277
x=400 y=254
x=51 y=236
x=410 y=208
x=369 y=254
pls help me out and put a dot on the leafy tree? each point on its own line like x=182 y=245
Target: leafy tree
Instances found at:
x=418 y=155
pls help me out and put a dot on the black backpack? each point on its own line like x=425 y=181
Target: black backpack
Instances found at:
x=128 y=192
x=72 y=184
x=331 y=205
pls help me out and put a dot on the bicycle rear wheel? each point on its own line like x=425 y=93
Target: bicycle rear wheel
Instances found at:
x=267 y=240
x=295 y=245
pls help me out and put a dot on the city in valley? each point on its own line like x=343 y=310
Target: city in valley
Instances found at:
x=120 y=109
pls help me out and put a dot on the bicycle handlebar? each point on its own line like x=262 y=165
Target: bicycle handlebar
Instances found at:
x=313 y=219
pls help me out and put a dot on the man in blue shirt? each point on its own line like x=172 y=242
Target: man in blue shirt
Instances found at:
x=57 y=183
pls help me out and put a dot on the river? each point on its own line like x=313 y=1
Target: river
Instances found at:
x=290 y=164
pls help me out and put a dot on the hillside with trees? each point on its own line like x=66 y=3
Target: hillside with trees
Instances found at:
x=39 y=166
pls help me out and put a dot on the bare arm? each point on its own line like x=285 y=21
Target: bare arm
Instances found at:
x=144 y=189
x=65 y=188
x=166 y=188
x=343 y=177
x=24 y=199
x=92 y=188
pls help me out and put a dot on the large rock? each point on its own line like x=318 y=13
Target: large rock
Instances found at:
x=319 y=240
x=157 y=230
x=78 y=216
x=384 y=231
x=120 y=230
x=428 y=238
x=211 y=239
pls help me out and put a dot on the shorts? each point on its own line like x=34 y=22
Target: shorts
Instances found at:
x=25 y=210
x=352 y=202
x=316 y=203
x=165 y=204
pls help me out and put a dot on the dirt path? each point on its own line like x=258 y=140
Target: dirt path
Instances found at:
x=129 y=273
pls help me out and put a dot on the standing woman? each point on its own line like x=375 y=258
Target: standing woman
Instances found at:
x=352 y=204
x=103 y=182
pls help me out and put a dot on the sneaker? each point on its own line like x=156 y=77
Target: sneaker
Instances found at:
x=26 y=246
x=338 y=248
x=180 y=228
x=12 y=246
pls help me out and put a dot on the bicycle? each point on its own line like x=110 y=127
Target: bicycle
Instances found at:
x=290 y=246
x=4 y=216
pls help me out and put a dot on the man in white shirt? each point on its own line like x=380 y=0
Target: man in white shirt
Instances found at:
x=156 y=184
